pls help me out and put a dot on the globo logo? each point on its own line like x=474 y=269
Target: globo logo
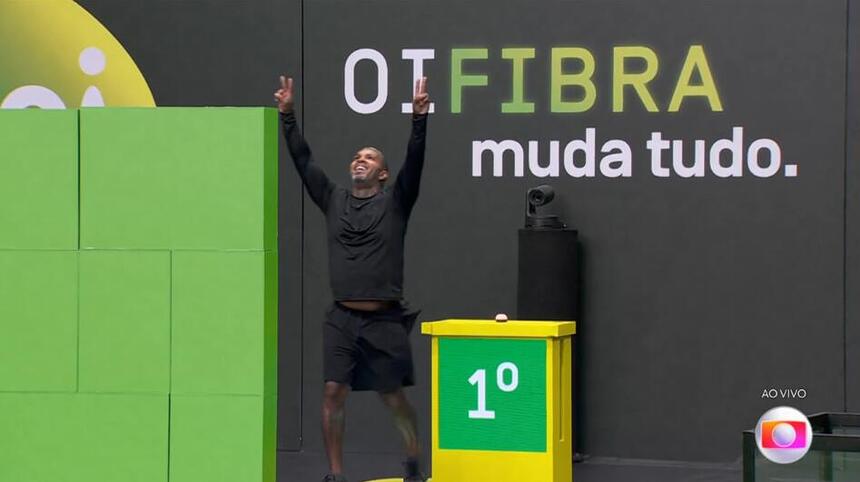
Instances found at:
x=783 y=435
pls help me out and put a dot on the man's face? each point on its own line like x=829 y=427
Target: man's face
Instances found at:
x=368 y=168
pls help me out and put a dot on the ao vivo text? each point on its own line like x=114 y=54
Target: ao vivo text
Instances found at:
x=776 y=393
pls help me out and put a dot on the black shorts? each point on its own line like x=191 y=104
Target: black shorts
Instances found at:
x=368 y=350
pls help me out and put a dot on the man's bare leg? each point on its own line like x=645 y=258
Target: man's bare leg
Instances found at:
x=404 y=419
x=333 y=421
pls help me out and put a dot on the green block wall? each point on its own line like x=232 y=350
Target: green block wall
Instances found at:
x=174 y=178
x=124 y=313
x=83 y=437
x=138 y=302
x=39 y=180
x=38 y=320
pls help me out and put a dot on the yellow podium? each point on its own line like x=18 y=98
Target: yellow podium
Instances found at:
x=501 y=400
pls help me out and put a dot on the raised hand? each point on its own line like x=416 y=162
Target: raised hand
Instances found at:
x=421 y=101
x=284 y=95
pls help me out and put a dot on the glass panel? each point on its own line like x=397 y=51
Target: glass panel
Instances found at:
x=816 y=466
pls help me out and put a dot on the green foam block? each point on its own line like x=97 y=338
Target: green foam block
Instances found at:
x=222 y=438
x=125 y=321
x=179 y=178
x=38 y=320
x=224 y=323
x=38 y=179
x=83 y=437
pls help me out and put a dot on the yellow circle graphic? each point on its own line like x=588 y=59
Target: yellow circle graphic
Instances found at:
x=54 y=54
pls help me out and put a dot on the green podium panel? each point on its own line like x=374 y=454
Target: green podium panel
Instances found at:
x=224 y=323
x=38 y=320
x=83 y=437
x=125 y=321
x=494 y=387
x=222 y=438
x=181 y=178
x=38 y=179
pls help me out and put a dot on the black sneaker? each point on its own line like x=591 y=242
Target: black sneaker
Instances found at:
x=413 y=473
x=334 y=478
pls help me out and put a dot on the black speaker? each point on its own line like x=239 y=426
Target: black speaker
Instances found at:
x=548 y=278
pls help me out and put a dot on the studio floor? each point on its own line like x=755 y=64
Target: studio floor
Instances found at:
x=310 y=467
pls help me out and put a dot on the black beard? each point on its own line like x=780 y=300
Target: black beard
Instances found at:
x=361 y=182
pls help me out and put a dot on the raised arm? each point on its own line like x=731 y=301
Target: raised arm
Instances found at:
x=409 y=179
x=316 y=182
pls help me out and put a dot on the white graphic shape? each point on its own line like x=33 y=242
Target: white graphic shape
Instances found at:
x=32 y=96
x=92 y=61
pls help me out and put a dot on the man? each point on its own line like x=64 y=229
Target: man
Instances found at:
x=366 y=331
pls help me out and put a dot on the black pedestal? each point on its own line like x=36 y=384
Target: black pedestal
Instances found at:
x=548 y=289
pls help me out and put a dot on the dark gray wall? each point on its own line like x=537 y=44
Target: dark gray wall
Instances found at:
x=852 y=207
x=698 y=293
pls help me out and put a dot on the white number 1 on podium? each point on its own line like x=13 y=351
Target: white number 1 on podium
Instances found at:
x=480 y=378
